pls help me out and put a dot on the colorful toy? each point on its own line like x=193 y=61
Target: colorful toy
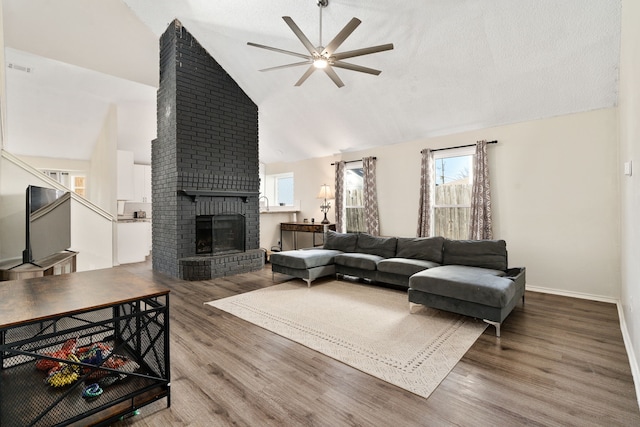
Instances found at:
x=64 y=374
x=60 y=374
x=67 y=348
x=92 y=391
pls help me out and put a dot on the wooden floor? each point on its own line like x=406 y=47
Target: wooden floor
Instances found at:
x=560 y=362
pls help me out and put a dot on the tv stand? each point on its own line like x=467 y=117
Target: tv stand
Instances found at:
x=53 y=265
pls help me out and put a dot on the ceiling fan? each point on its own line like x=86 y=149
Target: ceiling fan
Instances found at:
x=326 y=57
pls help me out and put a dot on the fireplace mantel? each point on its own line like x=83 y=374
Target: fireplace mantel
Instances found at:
x=194 y=194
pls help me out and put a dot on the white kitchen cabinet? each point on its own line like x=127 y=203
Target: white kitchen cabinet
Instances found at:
x=142 y=183
x=125 y=175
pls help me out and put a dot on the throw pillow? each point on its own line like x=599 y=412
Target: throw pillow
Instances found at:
x=490 y=254
x=381 y=246
x=345 y=242
x=424 y=248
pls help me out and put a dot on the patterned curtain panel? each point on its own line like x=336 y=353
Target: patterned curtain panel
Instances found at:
x=341 y=210
x=371 y=218
x=424 y=211
x=480 y=222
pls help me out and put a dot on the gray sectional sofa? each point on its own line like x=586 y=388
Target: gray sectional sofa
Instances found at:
x=469 y=277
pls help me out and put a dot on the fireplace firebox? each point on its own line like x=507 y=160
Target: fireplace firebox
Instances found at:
x=220 y=234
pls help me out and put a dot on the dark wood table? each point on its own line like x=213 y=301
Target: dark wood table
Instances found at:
x=37 y=316
x=305 y=227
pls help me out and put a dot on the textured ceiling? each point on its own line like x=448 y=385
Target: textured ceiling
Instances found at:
x=457 y=65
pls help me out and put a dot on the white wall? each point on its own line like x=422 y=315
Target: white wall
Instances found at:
x=92 y=238
x=555 y=196
x=308 y=176
x=102 y=181
x=100 y=170
x=3 y=100
x=629 y=127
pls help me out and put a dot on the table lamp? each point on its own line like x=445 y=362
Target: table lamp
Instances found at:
x=325 y=193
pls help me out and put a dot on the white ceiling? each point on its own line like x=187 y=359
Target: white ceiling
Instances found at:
x=457 y=65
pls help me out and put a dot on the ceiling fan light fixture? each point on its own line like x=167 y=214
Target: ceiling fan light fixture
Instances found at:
x=325 y=58
x=320 y=63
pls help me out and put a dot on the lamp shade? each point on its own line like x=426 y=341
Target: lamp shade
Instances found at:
x=326 y=192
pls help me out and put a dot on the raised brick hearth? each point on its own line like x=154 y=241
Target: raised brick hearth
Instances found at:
x=204 y=162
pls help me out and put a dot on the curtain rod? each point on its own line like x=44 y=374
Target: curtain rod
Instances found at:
x=460 y=146
x=353 y=161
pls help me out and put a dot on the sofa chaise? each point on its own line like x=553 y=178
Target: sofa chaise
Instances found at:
x=469 y=277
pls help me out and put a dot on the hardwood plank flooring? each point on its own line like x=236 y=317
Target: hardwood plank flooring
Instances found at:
x=560 y=362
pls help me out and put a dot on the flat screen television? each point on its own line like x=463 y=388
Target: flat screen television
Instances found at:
x=48 y=223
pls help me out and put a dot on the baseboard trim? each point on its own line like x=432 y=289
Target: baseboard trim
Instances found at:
x=572 y=294
x=633 y=361
x=626 y=338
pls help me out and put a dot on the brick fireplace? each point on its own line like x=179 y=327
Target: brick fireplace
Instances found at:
x=204 y=165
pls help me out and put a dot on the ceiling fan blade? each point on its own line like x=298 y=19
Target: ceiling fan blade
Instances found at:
x=364 y=51
x=341 y=37
x=306 y=75
x=295 y=64
x=275 y=49
x=298 y=32
x=353 y=67
x=332 y=74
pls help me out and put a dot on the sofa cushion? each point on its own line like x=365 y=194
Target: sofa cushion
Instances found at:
x=304 y=259
x=476 y=253
x=479 y=285
x=426 y=248
x=345 y=242
x=357 y=260
x=404 y=266
x=381 y=246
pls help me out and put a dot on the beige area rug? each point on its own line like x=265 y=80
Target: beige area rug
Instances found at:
x=367 y=327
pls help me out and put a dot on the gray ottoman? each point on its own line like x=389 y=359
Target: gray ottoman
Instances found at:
x=306 y=264
x=472 y=291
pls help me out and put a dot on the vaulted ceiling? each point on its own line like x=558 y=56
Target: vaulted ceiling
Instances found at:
x=457 y=65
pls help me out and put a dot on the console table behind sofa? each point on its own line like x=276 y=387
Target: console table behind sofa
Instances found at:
x=305 y=227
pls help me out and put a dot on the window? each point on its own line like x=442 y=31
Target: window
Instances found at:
x=354 y=192
x=452 y=193
x=284 y=190
x=279 y=189
x=59 y=176
x=77 y=183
